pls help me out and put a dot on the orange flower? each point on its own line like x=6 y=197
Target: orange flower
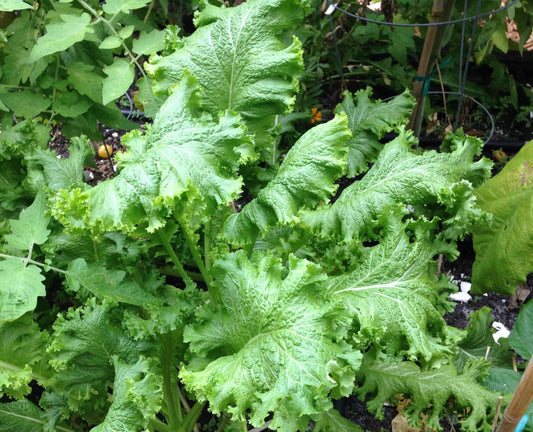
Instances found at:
x=316 y=115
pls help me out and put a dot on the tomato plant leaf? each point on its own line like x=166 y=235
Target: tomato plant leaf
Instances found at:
x=149 y=43
x=62 y=35
x=13 y=5
x=119 y=78
x=31 y=227
x=20 y=285
x=116 y=6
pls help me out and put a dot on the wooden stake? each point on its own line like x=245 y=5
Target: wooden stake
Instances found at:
x=520 y=401
x=441 y=11
x=497 y=415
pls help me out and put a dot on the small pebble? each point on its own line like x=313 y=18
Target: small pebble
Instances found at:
x=461 y=297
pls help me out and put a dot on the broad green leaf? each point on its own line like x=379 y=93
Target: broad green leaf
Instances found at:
x=478 y=339
x=126 y=32
x=116 y=6
x=520 y=337
x=87 y=82
x=71 y=104
x=279 y=353
x=504 y=246
x=440 y=182
x=183 y=166
x=25 y=103
x=331 y=420
x=13 y=5
x=306 y=177
x=243 y=58
x=20 y=285
x=64 y=173
x=120 y=76
x=137 y=395
x=149 y=43
x=21 y=415
x=82 y=349
x=430 y=391
x=22 y=351
x=107 y=284
x=369 y=121
x=31 y=227
x=60 y=36
x=110 y=42
x=393 y=295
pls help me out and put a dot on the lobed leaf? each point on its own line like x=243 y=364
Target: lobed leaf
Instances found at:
x=430 y=391
x=120 y=76
x=20 y=285
x=22 y=356
x=184 y=165
x=13 y=5
x=269 y=345
x=436 y=184
x=62 y=35
x=31 y=228
x=369 y=120
x=393 y=295
x=305 y=178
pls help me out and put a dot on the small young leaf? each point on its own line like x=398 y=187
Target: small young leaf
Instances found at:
x=13 y=5
x=120 y=75
x=20 y=285
x=106 y=284
x=110 y=42
x=116 y=6
x=31 y=227
x=60 y=36
x=149 y=43
x=126 y=32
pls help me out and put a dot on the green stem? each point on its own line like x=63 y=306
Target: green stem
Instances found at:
x=160 y=426
x=207 y=245
x=192 y=417
x=54 y=92
x=176 y=261
x=37 y=263
x=170 y=383
x=199 y=261
x=115 y=33
x=150 y=8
